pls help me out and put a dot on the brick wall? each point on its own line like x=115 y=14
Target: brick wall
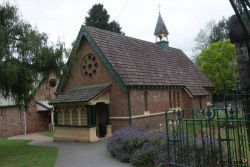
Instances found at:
x=159 y=100
x=36 y=120
x=39 y=120
x=11 y=121
x=119 y=123
x=149 y=123
x=119 y=98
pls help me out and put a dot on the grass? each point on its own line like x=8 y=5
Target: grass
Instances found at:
x=47 y=133
x=17 y=153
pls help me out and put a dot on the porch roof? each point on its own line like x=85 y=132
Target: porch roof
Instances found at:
x=43 y=105
x=197 y=90
x=81 y=94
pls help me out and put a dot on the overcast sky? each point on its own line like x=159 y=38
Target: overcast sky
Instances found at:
x=61 y=19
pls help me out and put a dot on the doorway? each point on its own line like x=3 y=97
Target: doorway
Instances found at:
x=101 y=119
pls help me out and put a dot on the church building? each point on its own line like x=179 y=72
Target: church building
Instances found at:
x=118 y=81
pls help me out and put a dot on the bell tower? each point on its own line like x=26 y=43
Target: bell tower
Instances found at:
x=161 y=32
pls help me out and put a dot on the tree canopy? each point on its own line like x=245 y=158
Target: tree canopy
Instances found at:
x=218 y=62
x=212 y=32
x=99 y=18
x=214 y=54
x=26 y=58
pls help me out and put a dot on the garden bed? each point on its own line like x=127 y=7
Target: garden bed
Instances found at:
x=139 y=147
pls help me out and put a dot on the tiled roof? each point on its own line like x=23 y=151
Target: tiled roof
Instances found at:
x=139 y=62
x=81 y=94
x=197 y=90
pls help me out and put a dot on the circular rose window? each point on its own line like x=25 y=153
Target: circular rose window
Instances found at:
x=89 y=66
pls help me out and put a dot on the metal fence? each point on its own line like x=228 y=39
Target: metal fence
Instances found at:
x=205 y=138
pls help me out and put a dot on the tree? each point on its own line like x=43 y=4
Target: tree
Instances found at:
x=202 y=39
x=217 y=62
x=25 y=56
x=114 y=27
x=220 y=31
x=99 y=18
x=211 y=33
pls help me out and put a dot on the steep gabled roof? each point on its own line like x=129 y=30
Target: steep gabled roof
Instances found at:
x=134 y=62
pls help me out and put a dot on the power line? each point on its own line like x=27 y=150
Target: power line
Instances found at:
x=123 y=8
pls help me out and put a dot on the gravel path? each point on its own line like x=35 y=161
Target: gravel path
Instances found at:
x=72 y=154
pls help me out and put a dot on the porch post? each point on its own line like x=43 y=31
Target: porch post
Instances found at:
x=107 y=112
x=88 y=116
x=91 y=116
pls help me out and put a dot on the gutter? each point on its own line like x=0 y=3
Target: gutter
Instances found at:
x=44 y=106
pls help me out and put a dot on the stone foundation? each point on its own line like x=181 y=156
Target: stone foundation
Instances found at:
x=78 y=134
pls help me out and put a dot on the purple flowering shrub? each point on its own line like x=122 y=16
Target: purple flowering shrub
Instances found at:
x=157 y=149
x=125 y=141
x=153 y=153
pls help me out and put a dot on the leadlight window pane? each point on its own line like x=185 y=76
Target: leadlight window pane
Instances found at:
x=84 y=117
x=74 y=117
x=59 y=118
x=67 y=117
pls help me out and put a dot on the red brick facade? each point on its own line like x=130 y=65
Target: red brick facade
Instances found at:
x=158 y=99
x=119 y=104
x=12 y=119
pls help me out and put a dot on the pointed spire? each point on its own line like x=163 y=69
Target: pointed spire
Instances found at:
x=161 y=29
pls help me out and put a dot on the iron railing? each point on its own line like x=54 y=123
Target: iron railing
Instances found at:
x=205 y=138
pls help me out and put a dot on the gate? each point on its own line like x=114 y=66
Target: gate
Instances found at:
x=205 y=138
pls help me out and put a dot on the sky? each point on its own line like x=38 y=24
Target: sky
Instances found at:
x=62 y=19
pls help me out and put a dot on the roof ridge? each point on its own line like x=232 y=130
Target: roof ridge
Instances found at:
x=115 y=33
x=133 y=38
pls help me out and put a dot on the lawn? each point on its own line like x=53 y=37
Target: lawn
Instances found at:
x=47 y=133
x=17 y=153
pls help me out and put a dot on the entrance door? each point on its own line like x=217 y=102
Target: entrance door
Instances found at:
x=101 y=119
